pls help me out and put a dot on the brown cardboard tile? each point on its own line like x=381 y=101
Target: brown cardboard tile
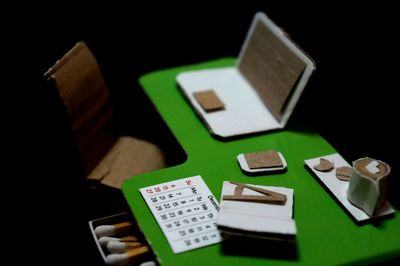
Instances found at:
x=209 y=100
x=270 y=197
x=264 y=159
x=272 y=68
x=343 y=173
x=324 y=165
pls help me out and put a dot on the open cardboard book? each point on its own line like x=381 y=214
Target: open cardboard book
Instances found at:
x=250 y=218
x=261 y=91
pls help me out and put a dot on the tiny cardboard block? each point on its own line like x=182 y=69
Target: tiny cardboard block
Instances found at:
x=339 y=187
x=266 y=159
x=244 y=165
x=261 y=91
x=208 y=100
x=257 y=219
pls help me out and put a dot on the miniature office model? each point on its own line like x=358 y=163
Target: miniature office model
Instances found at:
x=260 y=92
x=320 y=228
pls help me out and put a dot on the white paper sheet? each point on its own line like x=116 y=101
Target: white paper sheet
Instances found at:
x=186 y=211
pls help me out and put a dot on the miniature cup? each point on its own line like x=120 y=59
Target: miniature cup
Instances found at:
x=368 y=184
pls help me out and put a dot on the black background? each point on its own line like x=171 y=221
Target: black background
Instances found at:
x=350 y=99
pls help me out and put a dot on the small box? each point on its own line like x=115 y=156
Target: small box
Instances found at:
x=261 y=91
x=145 y=259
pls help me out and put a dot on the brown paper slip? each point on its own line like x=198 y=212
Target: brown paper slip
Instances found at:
x=209 y=100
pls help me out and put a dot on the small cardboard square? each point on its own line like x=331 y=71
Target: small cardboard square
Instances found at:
x=261 y=90
x=263 y=159
x=339 y=188
x=270 y=161
x=208 y=100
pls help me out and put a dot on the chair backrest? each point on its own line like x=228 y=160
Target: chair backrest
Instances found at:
x=83 y=91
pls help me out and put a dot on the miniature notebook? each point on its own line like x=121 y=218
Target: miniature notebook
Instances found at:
x=271 y=218
x=261 y=91
x=186 y=211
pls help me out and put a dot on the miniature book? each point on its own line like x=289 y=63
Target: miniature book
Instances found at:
x=257 y=211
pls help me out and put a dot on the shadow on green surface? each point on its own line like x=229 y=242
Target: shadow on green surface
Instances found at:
x=253 y=247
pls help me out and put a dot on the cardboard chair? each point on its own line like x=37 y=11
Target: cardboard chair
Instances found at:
x=106 y=156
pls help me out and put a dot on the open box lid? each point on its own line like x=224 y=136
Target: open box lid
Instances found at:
x=261 y=91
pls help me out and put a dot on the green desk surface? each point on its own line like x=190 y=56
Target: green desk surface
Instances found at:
x=325 y=232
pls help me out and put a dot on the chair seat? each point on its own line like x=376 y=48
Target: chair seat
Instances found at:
x=127 y=158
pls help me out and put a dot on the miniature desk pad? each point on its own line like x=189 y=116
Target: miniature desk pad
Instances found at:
x=186 y=211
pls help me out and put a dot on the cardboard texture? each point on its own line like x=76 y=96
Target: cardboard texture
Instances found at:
x=208 y=100
x=324 y=165
x=271 y=67
x=106 y=156
x=262 y=162
x=339 y=188
x=368 y=184
x=268 y=196
x=344 y=173
x=264 y=159
x=261 y=91
x=257 y=219
x=127 y=157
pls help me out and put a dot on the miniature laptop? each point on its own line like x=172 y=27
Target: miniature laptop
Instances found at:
x=260 y=92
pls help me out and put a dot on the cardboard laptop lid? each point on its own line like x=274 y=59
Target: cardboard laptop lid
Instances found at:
x=260 y=92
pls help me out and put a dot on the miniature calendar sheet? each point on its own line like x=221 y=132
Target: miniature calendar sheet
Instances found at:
x=186 y=211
